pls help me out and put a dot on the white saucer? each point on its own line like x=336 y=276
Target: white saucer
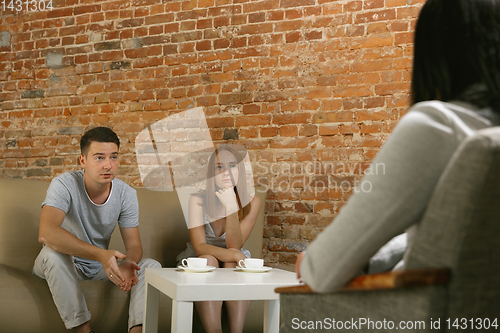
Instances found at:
x=197 y=270
x=254 y=270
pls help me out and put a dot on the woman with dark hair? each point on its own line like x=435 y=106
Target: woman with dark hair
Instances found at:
x=455 y=92
x=221 y=219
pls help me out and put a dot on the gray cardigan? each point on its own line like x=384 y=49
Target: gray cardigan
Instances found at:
x=396 y=192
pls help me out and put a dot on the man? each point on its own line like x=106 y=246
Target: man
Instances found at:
x=78 y=216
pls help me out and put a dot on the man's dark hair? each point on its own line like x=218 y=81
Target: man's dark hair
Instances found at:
x=98 y=134
x=457 y=52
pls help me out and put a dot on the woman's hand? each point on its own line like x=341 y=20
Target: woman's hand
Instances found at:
x=237 y=255
x=228 y=198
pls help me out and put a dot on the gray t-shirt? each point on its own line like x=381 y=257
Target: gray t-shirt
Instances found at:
x=88 y=221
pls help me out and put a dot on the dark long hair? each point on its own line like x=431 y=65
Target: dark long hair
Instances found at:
x=457 y=52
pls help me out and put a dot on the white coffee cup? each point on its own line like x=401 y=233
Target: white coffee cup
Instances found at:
x=251 y=263
x=194 y=262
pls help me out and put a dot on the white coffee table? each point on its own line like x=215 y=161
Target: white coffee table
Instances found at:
x=222 y=284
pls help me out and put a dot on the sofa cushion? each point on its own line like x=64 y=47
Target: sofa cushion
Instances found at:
x=28 y=305
x=20 y=208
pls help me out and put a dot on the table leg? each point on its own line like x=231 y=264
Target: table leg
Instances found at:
x=151 y=303
x=272 y=316
x=182 y=317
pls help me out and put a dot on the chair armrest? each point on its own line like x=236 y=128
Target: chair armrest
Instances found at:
x=387 y=280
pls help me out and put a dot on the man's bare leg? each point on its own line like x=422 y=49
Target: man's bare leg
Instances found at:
x=83 y=328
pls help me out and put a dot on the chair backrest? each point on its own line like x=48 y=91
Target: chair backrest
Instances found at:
x=461 y=228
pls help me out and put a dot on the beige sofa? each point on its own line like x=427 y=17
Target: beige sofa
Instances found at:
x=25 y=301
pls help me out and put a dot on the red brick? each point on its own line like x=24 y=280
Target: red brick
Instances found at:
x=238 y=19
x=373 y=66
x=60 y=12
x=288 y=25
x=220 y=122
x=327 y=130
x=251 y=109
x=404 y=38
x=203 y=45
x=333 y=117
x=296 y=3
x=319 y=93
x=204 y=24
x=256 y=40
x=294 y=220
x=273 y=220
x=254 y=144
x=235 y=98
x=371 y=4
x=399 y=26
x=395 y=3
x=287 y=143
x=269 y=131
x=205 y=3
x=374 y=102
x=292 y=14
x=159 y=19
x=288 y=131
x=256 y=29
x=71 y=31
x=221 y=43
x=408 y=12
x=253 y=120
x=258 y=6
x=372 y=115
x=312 y=11
x=314 y=35
x=382 y=15
x=390 y=89
x=249 y=133
x=86 y=9
x=371 y=42
x=257 y=17
x=291 y=119
x=188 y=36
x=293 y=37
x=187 y=47
x=225 y=10
x=275 y=15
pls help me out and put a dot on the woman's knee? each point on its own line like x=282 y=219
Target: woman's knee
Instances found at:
x=229 y=265
x=211 y=260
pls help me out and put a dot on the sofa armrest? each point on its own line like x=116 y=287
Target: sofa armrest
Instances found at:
x=386 y=280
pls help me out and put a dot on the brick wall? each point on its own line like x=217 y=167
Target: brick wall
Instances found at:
x=311 y=87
